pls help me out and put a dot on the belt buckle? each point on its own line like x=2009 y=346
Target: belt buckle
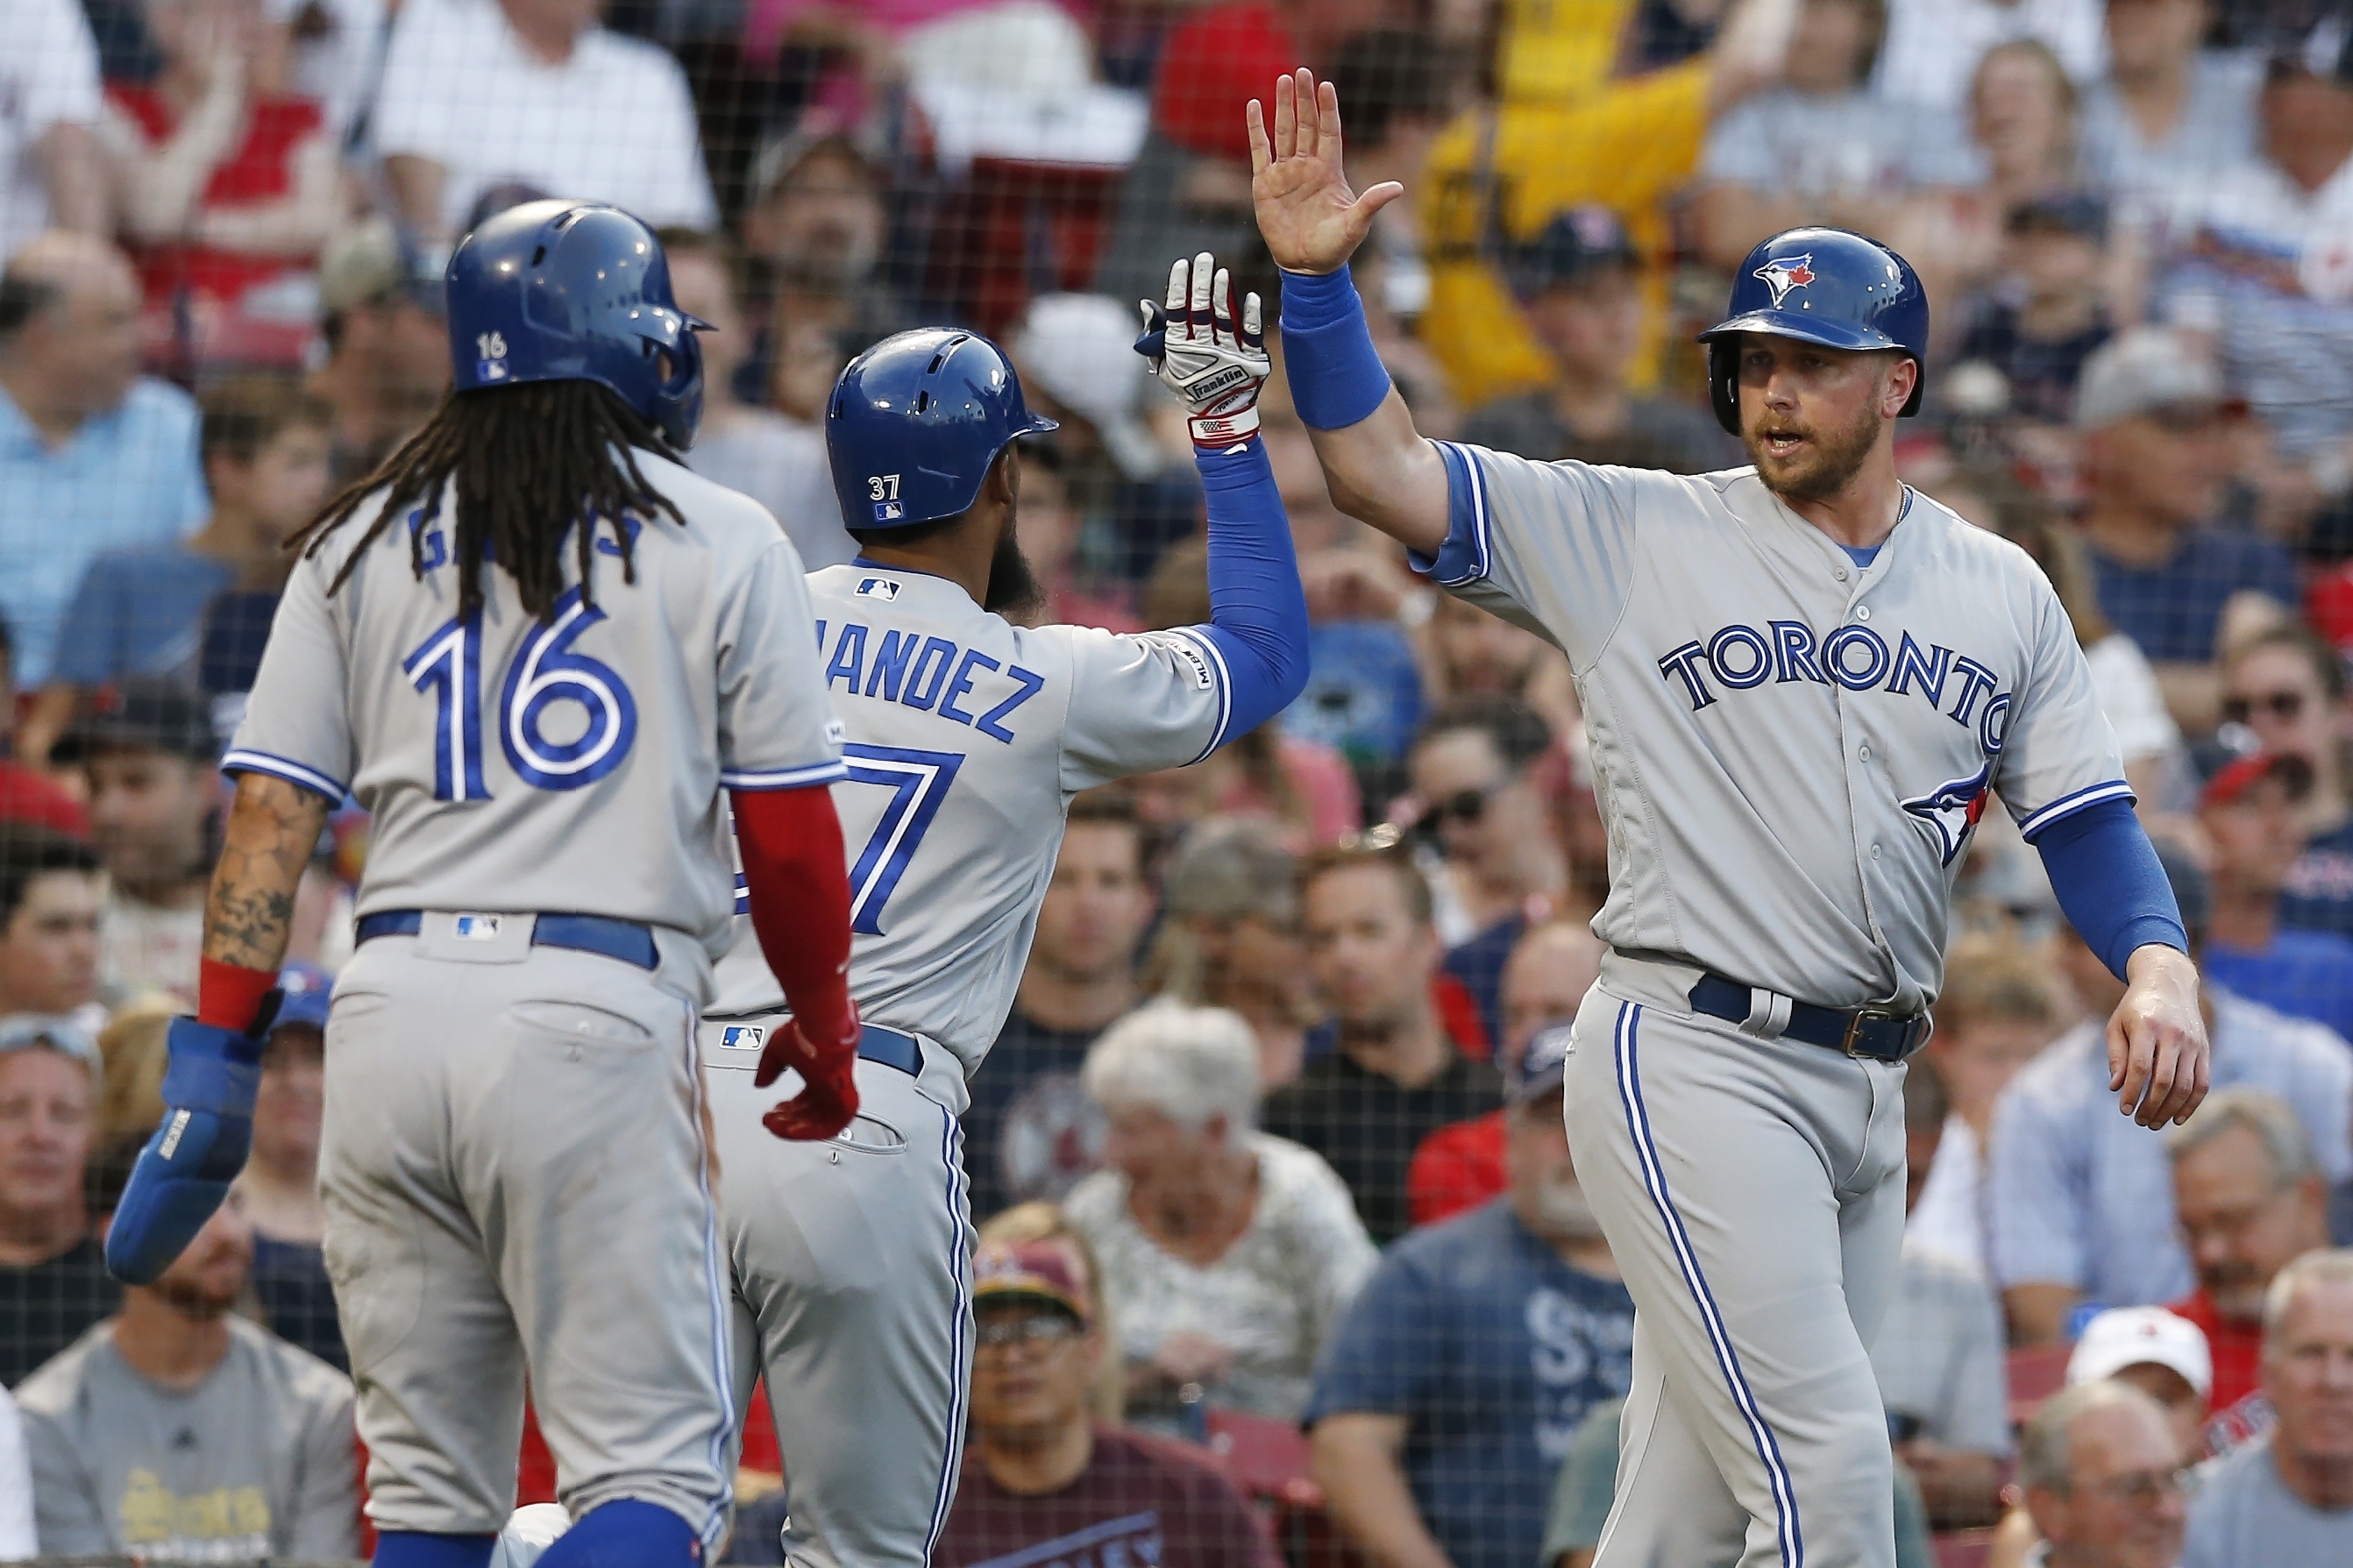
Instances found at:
x=1855 y=1023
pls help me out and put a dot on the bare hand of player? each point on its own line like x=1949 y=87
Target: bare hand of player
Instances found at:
x=828 y=1101
x=2159 y=1061
x=1312 y=222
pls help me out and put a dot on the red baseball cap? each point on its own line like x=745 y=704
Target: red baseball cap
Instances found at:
x=1210 y=71
x=2234 y=778
x=1028 y=1271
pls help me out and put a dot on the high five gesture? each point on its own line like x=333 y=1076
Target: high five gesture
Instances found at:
x=1312 y=222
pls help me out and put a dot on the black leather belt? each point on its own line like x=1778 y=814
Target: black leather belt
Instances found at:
x=631 y=941
x=1882 y=1036
x=889 y=1048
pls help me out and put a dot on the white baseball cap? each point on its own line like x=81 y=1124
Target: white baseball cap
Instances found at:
x=2129 y=1336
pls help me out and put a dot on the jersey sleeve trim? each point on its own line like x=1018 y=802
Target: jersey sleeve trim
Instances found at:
x=310 y=778
x=2067 y=805
x=1464 y=557
x=1204 y=638
x=784 y=778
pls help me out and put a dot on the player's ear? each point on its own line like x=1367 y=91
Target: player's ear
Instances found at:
x=1895 y=389
x=1003 y=484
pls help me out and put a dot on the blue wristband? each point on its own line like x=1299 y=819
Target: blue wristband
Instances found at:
x=1336 y=375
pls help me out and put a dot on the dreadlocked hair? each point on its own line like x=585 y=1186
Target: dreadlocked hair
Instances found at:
x=529 y=461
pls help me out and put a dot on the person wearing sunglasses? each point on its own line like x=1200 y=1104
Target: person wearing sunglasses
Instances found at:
x=2103 y=1480
x=2288 y=686
x=2251 y=811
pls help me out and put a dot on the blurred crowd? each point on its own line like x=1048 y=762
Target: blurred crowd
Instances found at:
x=1283 y=1250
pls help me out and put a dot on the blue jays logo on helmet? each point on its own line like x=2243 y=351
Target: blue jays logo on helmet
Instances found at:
x=1783 y=273
x=1951 y=810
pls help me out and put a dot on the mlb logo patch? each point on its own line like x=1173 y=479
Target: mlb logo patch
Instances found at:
x=493 y=370
x=478 y=928
x=889 y=512
x=743 y=1038
x=881 y=588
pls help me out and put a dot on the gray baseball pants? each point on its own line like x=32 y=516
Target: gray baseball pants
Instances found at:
x=514 y=1171
x=852 y=1267
x=1752 y=1191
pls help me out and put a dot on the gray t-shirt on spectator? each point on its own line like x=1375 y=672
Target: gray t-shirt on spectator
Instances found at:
x=259 y=1461
x=2244 y=1514
x=1939 y=1354
x=1810 y=145
x=782 y=465
x=2159 y=183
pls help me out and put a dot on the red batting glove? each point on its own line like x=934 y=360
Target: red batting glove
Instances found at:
x=828 y=1101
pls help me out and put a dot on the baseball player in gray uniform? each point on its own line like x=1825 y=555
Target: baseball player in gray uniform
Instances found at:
x=537 y=650
x=1802 y=682
x=968 y=735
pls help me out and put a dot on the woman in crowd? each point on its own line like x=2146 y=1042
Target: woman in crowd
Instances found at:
x=2022 y=115
x=1231 y=939
x=228 y=183
x=2289 y=688
x=1228 y=1256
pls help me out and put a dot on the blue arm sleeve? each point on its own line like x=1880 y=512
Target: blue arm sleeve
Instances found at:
x=1337 y=376
x=2110 y=882
x=1258 y=612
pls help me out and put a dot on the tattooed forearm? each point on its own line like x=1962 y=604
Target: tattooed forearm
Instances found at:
x=273 y=829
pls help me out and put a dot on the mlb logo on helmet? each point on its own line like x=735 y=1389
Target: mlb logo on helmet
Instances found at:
x=889 y=511
x=743 y=1038
x=1784 y=273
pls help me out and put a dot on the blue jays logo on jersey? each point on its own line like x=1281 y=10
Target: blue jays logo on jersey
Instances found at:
x=743 y=1038
x=878 y=587
x=1951 y=810
x=1785 y=273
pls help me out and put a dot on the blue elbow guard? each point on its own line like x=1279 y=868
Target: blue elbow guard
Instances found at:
x=185 y=1171
x=1336 y=375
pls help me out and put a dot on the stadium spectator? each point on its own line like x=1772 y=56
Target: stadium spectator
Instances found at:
x=1460 y=1165
x=93 y=456
x=1231 y=938
x=1500 y=870
x=1394 y=1076
x=1938 y=1358
x=778 y=462
x=1226 y=1255
x=2288 y=686
x=180 y=1431
x=2126 y=688
x=2162 y=1353
x=2150 y=409
x=2251 y=811
x=1935 y=47
x=818 y=225
x=2169 y=118
x=1451 y=1393
x=2002 y=1003
x=28 y=794
x=2103 y=1480
x=2022 y=117
x=1579 y=287
x=148 y=751
x=2078 y=1210
x=2287 y=1497
x=534 y=90
x=332 y=48
x=2048 y=314
x=51 y=893
x=51 y=172
x=1030 y=1130
x=1819 y=148
x=229 y=183
x=53 y=1278
x=1472 y=653
x=2250 y=1199
x=387 y=343
x=140 y=612
x=1041 y=1469
x=280 y=1179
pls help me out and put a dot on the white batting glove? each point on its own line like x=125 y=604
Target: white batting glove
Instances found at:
x=1197 y=352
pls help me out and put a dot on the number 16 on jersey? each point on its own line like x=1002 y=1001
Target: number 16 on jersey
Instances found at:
x=448 y=666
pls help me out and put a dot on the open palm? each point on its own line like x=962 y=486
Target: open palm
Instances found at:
x=1311 y=219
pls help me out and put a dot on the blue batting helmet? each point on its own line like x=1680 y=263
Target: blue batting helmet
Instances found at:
x=562 y=291
x=1821 y=286
x=914 y=423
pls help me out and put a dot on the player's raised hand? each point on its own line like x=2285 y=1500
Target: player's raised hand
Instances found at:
x=1212 y=359
x=1312 y=222
x=2159 y=1061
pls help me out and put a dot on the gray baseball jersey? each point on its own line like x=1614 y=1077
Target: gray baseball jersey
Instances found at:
x=1790 y=750
x=969 y=736
x=574 y=764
